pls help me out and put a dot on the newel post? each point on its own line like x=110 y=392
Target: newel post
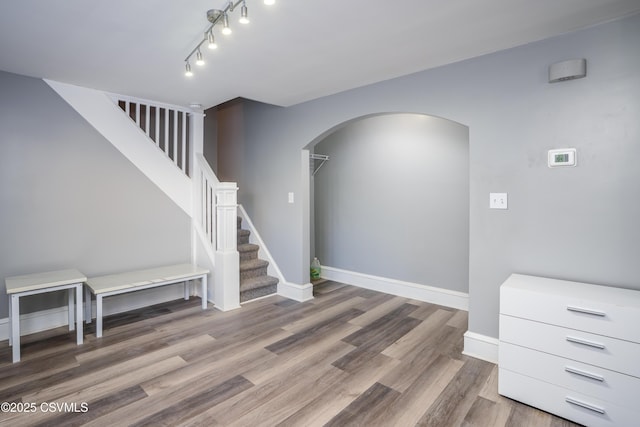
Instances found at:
x=226 y=287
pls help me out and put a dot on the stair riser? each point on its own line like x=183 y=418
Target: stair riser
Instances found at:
x=243 y=237
x=248 y=255
x=254 y=272
x=257 y=293
x=258 y=282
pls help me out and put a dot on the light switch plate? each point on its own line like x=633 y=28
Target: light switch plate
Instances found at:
x=498 y=201
x=291 y=197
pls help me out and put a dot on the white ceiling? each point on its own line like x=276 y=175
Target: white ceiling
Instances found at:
x=294 y=51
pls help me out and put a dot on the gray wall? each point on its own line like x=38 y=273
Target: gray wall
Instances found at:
x=579 y=223
x=68 y=198
x=393 y=200
x=230 y=141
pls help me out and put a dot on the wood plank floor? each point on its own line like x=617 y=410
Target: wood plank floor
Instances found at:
x=350 y=357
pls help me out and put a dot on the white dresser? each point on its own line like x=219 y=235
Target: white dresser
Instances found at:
x=572 y=349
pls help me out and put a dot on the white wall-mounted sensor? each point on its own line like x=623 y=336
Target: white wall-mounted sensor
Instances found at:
x=562 y=157
x=567 y=70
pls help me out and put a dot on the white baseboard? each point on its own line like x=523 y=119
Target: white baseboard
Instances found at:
x=56 y=317
x=481 y=347
x=296 y=292
x=445 y=297
x=36 y=322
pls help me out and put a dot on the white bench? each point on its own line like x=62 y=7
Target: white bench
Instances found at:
x=38 y=283
x=115 y=284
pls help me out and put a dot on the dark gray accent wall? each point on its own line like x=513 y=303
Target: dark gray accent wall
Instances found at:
x=579 y=223
x=210 y=143
x=231 y=141
x=393 y=200
x=69 y=199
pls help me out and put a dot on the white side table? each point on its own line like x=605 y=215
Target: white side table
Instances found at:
x=38 y=283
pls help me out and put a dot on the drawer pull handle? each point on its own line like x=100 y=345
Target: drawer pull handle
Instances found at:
x=586 y=342
x=586 y=311
x=582 y=373
x=585 y=405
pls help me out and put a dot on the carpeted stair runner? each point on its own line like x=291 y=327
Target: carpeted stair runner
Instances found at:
x=254 y=281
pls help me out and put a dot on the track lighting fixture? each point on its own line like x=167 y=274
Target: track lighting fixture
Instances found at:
x=218 y=16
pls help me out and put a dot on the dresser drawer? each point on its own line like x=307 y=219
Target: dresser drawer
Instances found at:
x=600 y=310
x=564 y=403
x=609 y=353
x=589 y=380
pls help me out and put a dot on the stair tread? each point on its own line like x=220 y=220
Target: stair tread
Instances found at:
x=247 y=247
x=253 y=264
x=258 y=282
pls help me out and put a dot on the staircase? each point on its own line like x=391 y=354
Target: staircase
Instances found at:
x=254 y=281
x=166 y=142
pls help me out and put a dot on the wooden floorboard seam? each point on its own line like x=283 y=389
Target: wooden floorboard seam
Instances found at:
x=350 y=356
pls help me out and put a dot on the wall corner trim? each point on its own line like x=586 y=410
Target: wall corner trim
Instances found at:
x=481 y=347
x=431 y=294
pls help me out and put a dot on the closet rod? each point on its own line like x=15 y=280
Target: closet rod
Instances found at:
x=321 y=157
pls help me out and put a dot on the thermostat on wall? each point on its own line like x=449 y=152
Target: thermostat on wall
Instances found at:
x=562 y=157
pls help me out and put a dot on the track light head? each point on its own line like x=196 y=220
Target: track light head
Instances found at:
x=244 y=14
x=187 y=71
x=225 y=24
x=211 y=40
x=199 y=58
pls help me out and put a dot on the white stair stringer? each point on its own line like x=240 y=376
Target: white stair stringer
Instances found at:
x=106 y=117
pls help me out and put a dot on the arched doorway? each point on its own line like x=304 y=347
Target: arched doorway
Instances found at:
x=392 y=201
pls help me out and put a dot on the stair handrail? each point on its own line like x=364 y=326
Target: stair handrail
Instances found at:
x=133 y=99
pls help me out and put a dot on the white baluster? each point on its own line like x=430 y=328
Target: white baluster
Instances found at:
x=183 y=144
x=157 y=134
x=175 y=137
x=166 y=131
x=147 y=119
